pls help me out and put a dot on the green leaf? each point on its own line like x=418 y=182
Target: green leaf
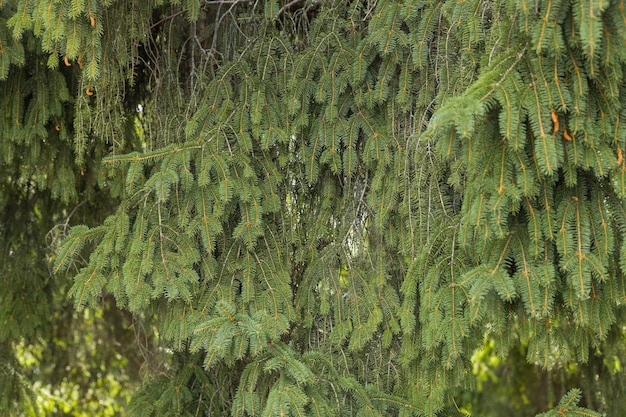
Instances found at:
x=193 y=10
x=588 y=14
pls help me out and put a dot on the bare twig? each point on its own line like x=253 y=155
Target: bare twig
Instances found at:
x=286 y=6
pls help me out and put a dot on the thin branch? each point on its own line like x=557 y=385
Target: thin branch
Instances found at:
x=220 y=2
x=286 y=6
x=166 y=18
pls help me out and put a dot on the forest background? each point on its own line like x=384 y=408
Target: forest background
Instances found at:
x=312 y=207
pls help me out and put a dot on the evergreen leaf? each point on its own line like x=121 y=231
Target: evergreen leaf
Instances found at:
x=193 y=9
x=588 y=14
x=79 y=235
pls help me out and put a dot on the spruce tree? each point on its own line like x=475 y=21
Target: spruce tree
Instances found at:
x=46 y=186
x=327 y=207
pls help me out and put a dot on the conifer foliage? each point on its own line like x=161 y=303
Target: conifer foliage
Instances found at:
x=328 y=206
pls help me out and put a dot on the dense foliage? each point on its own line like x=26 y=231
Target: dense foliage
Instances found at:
x=325 y=208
